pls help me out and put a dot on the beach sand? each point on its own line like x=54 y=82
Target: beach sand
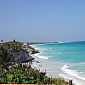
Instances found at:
x=52 y=68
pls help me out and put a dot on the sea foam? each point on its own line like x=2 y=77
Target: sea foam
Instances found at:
x=43 y=57
x=40 y=56
x=72 y=73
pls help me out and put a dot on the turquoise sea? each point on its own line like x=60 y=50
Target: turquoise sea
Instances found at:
x=69 y=55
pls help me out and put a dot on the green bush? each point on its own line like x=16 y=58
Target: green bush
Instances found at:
x=25 y=75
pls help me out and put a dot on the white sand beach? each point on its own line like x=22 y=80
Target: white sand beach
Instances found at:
x=45 y=64
x=52 y=69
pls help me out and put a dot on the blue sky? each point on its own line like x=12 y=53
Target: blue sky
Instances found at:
x=42 y=20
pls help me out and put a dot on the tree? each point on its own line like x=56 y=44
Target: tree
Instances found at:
x=4 y=57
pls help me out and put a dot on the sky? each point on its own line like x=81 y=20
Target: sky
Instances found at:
x=42 y=20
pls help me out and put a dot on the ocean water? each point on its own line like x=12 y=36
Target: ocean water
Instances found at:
x=69 y=57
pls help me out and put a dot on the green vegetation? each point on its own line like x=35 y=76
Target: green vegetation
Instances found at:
x=21 y=74
x=5 y=54
x=28 y=75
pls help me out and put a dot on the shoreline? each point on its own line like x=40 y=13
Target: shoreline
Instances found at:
x=43 y=64
x=54 y=72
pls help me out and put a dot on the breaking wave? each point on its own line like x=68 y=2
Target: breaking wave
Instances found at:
x=70 y=72
x=40 y=56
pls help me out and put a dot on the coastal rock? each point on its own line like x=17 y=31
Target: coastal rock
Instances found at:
x=35 y=51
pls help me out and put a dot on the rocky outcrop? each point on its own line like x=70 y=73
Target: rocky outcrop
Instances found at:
x=35 y=51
